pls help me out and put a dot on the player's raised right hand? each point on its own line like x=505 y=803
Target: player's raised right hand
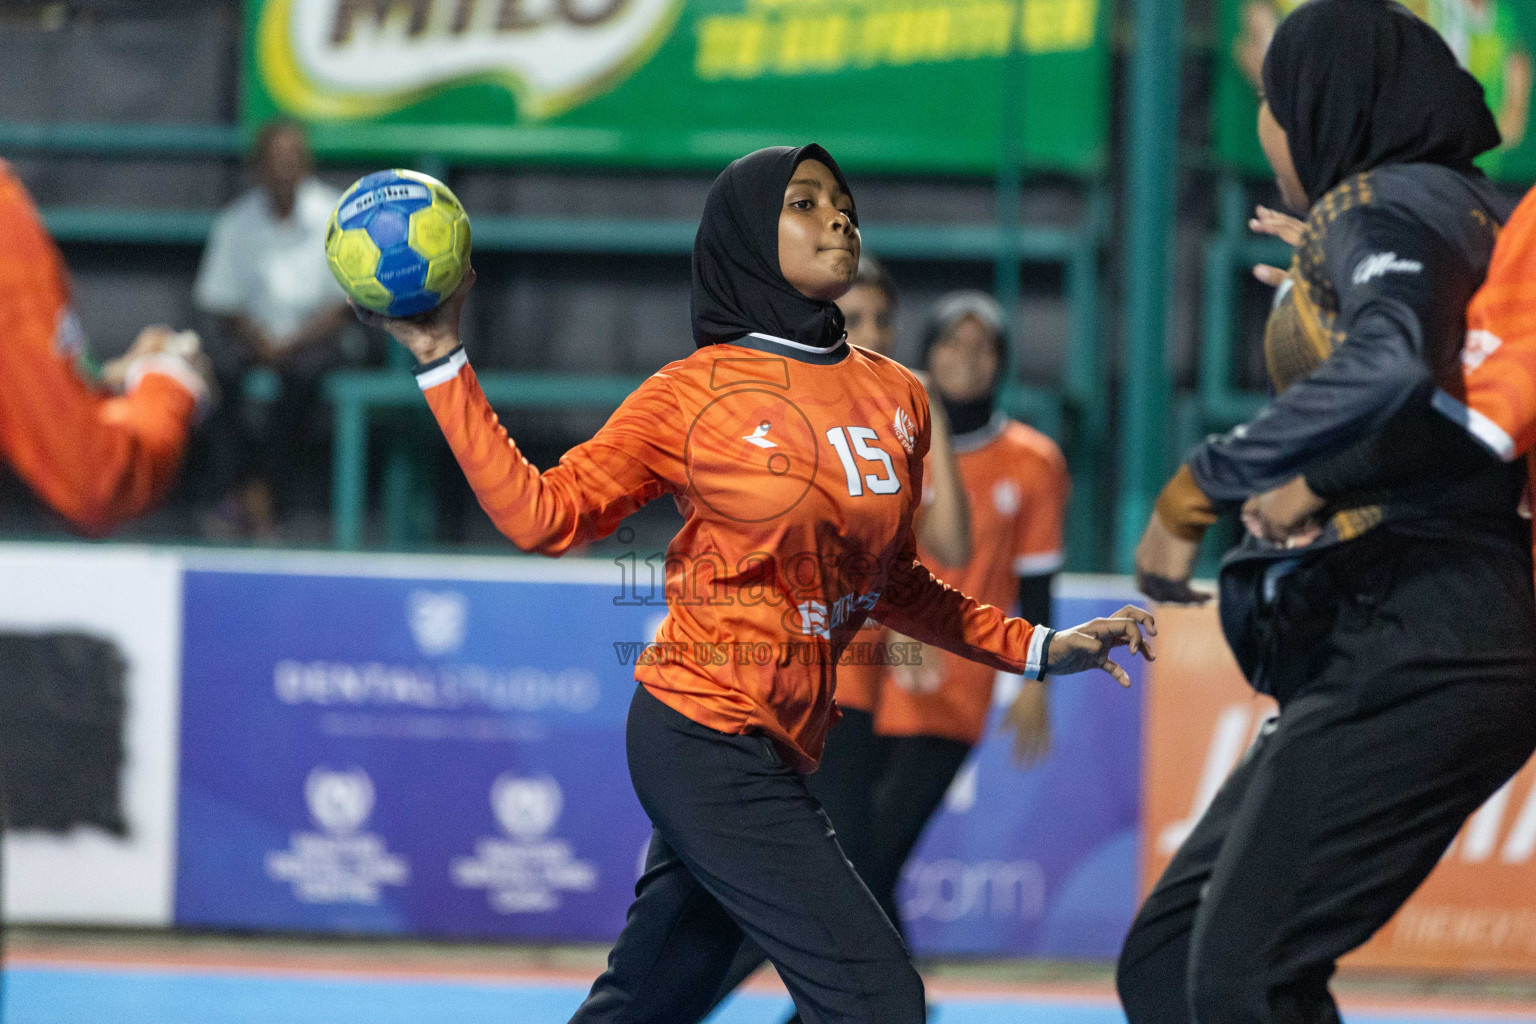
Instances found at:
x=430 y=335
x=1087 y=646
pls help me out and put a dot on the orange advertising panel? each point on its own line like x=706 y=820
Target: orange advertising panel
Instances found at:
x=1477 y=912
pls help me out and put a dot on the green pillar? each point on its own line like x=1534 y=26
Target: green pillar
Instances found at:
x=1087 y=390
x=1150 y=200
x=349 y=473
x=1008 y=196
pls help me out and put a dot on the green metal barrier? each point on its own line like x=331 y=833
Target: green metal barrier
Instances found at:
x=1229 y=257
x=983 y=243
x=128 y=227
x=355 y=393
x=171 y=141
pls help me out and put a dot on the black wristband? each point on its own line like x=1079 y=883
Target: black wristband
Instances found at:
x=1045 y=654
x=422 y=368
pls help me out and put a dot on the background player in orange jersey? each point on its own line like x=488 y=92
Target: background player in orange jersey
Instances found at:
x=931 y=711
x=98 y=444
x=853 y=756
x=796 y=461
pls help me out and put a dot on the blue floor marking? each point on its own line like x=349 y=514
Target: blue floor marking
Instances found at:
x=132 y=995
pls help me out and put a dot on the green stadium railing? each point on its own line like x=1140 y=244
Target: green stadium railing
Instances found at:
x=1231 y=252
x=354 y=394
x=1075 y=414
x=143 y=139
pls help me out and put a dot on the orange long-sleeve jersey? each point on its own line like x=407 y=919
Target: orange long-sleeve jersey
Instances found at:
x=97 y=459
x=797 y=471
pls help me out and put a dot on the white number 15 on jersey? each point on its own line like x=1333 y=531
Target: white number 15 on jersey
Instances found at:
x=848 y=441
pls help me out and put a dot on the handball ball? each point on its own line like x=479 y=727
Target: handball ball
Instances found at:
x=398 y=242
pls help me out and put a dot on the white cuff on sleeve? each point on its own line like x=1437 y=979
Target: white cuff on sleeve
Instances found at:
x=1483 y=429
x=1038 y=565
x=443 y=370
x=168 y=365
x=1034 y=661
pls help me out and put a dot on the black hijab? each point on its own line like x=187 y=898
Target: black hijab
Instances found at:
x=975 y=413
x=1361 y=83
x=738 y=288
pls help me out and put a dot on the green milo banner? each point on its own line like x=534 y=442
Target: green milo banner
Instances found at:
x=901 y=85
x=1493 y=39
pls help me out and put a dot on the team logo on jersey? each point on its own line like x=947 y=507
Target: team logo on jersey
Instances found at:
x=1382 y=264
x=1005 y=497
x=764 y=478
x=906 y=433
x=759 y=436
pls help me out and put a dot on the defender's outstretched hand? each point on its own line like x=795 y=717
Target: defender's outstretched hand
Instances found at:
x=430 y=335
x=1087 y=646
x=1279 y=225
x=1283 y=226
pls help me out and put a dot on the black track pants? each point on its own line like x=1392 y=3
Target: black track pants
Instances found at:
x=742 y=850
x=879 y=792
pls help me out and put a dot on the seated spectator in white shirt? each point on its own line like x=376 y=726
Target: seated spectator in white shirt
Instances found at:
x=264 y=276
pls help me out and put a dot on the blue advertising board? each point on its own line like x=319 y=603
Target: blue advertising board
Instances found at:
x=1039 y=862
x=427 y=756
x=423 y=751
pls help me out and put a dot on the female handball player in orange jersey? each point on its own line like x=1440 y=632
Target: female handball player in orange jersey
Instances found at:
x=796 y=462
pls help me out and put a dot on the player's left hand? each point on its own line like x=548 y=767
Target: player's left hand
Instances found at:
x=1029 y=716
x=158 y=339
x=1087 y=646
x=430 y=335
x=1287 y=515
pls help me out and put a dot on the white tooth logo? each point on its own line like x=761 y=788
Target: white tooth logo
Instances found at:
x=759 y=436
x=339 y=801
x=527 y=808
x=438 y=620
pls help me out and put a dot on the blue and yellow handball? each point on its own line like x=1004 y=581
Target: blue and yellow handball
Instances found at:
x=398 y=242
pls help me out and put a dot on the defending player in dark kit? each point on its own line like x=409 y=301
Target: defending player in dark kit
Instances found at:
x=1397 y=628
